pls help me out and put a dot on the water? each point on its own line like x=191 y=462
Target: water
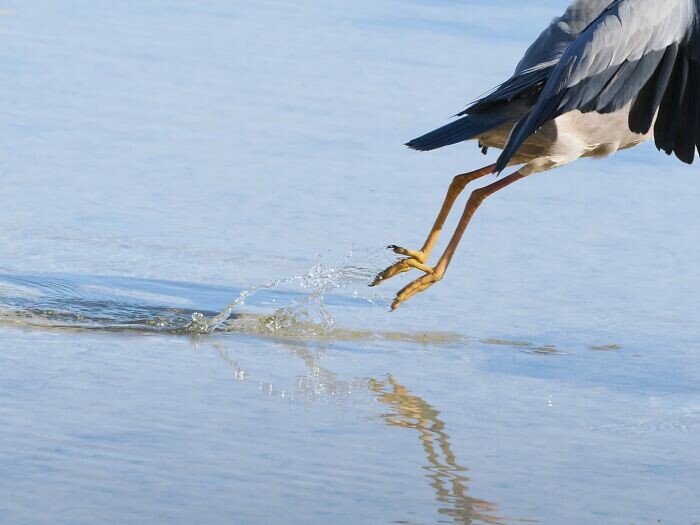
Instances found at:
x=194 y=198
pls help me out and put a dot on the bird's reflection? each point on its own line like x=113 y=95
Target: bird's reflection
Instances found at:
x=447 y=477
x=405 y=410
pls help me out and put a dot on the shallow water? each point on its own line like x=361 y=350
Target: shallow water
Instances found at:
x=195 y=196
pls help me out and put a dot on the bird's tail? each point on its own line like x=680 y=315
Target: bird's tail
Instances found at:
x=465 y=128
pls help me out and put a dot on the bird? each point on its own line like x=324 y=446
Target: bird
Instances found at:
x=603 y=77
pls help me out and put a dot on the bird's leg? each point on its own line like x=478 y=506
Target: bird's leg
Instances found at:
x=433 y=275
x=415 y=259
x=455 y=189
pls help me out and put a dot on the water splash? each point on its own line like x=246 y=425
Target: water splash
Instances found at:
x=306 y=316
x=81 y=302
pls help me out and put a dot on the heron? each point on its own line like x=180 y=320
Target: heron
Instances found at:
x=603 y=77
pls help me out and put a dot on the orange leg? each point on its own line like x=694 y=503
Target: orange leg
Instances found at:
x=433 y=275
x=415 y=259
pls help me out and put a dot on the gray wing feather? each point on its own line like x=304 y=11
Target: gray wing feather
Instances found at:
x=610 y=62
x=544 y=53
x=561 y=32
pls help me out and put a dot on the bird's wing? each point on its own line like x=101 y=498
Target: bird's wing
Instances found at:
x=561 y=32
x=642 y=51
x=543 y=54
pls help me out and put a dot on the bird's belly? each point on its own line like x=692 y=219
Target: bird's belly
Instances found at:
x=571 y=136
x=537 y=145
x=597 y=134
x=497 y=137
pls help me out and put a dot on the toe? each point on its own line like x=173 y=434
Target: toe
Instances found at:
x=413 y=254
x=419 y=285
x=392 y=270
x=399 y=267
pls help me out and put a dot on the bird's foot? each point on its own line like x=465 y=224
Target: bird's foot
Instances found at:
x=419 y=285
x=414 y=259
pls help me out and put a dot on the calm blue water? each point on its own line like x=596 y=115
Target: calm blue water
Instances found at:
x=163 y=160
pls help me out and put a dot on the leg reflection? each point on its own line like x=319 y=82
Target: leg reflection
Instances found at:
x=447 y=476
